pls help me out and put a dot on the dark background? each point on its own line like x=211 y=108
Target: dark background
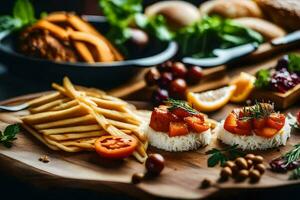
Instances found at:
x=11 y=85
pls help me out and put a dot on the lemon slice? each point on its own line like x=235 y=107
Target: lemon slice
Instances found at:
x=244 y=85
x=211 y=100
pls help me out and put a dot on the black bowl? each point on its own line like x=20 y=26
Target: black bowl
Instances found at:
x=99 y=74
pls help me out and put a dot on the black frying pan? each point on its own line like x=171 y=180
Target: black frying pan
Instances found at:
x=98 y=74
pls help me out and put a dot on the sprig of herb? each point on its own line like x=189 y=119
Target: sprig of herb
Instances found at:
x=258 y=110
x=23 y=15
x=9 y=135
x=220 y=156
x=292 y=155
x=293 y=121
x=263 y=78
x=174 y=104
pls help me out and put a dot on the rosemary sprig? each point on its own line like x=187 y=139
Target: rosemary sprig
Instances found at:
x=174 y=104
x=295 y=174
x=220 y=156
x=258 y=110
x=292 y=155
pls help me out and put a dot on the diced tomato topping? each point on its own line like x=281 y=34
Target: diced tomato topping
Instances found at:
x=178 y=129
x=276 y=121
x=181 y=113
x=244 y=124
x=241 y=131
x=200 y=116
x=266 y=132
x=259 y=123
x=196 y=124
x=230 y=123
x=160 y=119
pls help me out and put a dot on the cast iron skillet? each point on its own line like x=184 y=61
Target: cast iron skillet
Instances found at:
x=100 y=74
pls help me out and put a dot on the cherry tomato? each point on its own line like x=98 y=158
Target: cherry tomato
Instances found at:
x=115 y=147
x=259 y=123
x=152 y=76
x=244 y=124
x=276 y=121
x=178 y=129
x=230 y=123
x=179 y=70
x=161 y=118
x=181 y=113
x=195 y=73
x=196 y=124
x=178 y=88
x=266 y=132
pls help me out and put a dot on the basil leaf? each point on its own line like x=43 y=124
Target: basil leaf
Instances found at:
x=23 y=10
x=9 y=135
x=263 y=77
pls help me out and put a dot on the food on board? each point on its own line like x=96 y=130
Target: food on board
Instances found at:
x=254 y=127
x=178 y=127
x=75 y=118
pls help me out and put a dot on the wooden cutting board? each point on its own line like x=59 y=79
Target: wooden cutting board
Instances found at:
x=180 y=178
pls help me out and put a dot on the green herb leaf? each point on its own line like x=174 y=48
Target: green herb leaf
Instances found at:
x=292 y=155
x=220 y=156
x=9 y=135
x=294 y=62
x=263 y=78
x=295 y=174
x=23 y=10
x=201 y=38
x=174 y=104
x=258 y=110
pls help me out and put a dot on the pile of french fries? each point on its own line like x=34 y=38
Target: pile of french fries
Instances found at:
x=90 y=45
x=72 y=118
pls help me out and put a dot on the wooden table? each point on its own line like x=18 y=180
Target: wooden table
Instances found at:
x=43 y=181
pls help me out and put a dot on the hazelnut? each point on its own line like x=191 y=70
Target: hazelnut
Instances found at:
x=260 y=167
x=250 y=156
x=232 y=166
x=206 y=183
x=225 y=173
x=243 y=174
x=241 y=163
x=254 y=176
x=258 y=159
x=250 y=164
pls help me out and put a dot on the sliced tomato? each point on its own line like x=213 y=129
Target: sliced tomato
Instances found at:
x=244 y=124
x=241 y=131
x=181 y=113
x=178 y=129
x=160 y=119
x=196 y=124
x=230 y=123
x=276 y=121
x=259 y=123
x=115 y=147
x=266 y=132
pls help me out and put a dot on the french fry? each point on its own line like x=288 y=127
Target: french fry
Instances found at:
x=75 y=117
x=81 y=25
x=103 y=51
x=72 y=129
x=48 y=106
x=81 y=120
x=52 y=28
x=56 y=17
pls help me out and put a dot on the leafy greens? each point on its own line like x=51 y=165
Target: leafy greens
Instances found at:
x=201 y=38
x=23 y=15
